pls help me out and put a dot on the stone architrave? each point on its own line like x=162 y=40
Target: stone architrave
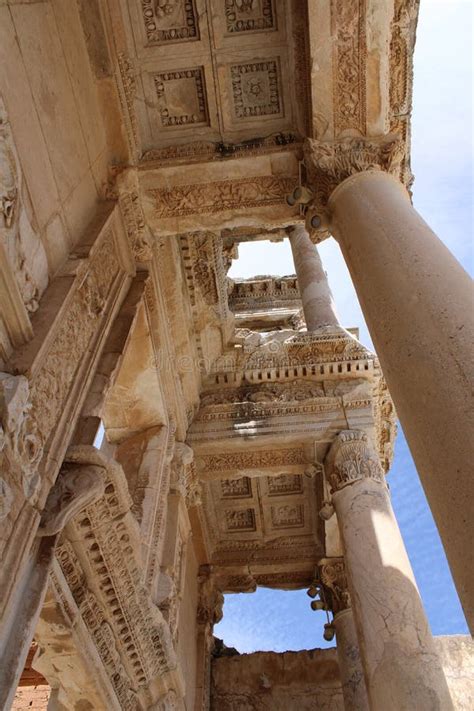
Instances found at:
x=417 y=299
x=401 y=666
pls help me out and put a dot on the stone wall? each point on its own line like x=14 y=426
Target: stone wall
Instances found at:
x=305 y=680
x=309 y=680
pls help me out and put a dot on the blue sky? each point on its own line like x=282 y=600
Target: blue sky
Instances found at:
x=442 y=152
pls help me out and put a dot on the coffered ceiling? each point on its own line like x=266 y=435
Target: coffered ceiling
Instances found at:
x=216 y=70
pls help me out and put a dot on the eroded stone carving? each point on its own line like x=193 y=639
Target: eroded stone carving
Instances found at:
x=218 y=196
x=169 y=21
x=23 y=247
x=351 y=458
x=329 y=163
x=332 y=574
x=22 y=442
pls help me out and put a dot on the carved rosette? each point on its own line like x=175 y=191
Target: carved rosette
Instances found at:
x=352 y=458
x=332 y=575
x=328 y=164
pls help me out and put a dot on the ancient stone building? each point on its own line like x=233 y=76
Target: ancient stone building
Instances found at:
x=247 y=433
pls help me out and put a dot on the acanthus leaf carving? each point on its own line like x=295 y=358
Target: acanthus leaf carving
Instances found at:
x=329 y=163
x=352 y=458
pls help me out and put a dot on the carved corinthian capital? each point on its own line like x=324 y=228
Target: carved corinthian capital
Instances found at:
x=328 y=163
x=352 y=457
x=332 y=575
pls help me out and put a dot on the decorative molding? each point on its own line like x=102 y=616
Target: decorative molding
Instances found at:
x=349 y=65
x=283 y=484
x=199 y=151
x=288 y=515
x=236 y=488
x=99 y=558
x=220 y=196
x=258 y=459
x=127 y=83
x=256 y=89
x=128 y=192
x=181 y=95
x=169 y=21
x=352 y=458
x=329 y=163
x=244 y=16
x=239 y=520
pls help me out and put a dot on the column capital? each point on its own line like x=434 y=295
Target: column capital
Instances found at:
x=329 y=163
x=352 y=457
x=332 y=575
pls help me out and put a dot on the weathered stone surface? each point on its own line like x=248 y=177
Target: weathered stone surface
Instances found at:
x=140 y=142
x=304 y=680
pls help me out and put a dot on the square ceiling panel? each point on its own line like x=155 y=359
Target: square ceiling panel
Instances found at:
x=213 y=70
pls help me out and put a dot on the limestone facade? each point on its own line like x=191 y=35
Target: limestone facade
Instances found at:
x=169 y=434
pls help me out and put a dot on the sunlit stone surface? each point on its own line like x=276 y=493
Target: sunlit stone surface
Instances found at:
x=247 y=433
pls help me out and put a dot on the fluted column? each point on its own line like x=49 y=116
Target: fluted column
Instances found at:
x=401 y=666
x=332 y=576
x=318 y=303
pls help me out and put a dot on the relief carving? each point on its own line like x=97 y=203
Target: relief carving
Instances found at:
x=169 y=21
x=22 y=448
x=249 y=16
x=250 y=460
x=181 y=97
x=329 y=163
x=23 y=247
x=219 y=196
x=349 y=65
x=332 y=574
x=255 y=89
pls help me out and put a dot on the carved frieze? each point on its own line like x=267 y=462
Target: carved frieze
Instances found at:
x=247 y=459
x=50 y=386
x=352 y=458
x=220 y=196
x=349 y=65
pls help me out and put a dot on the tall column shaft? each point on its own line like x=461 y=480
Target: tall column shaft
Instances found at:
x=332 y=579
x=418 y=304
x=350 y=665
x=401 y=665
x=318 y=303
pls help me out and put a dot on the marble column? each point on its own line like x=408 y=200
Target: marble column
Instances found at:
x=419 y=306
x=332 y=576
x=318 y=303
x=401 y=666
